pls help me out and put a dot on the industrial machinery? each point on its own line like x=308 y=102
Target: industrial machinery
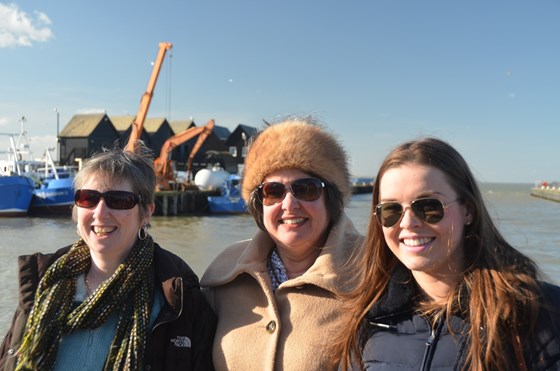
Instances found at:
x=146 y=99
x=162 y=164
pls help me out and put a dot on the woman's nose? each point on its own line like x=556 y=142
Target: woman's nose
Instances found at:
x=101 y=207
x=408 y=219
x=290 y=202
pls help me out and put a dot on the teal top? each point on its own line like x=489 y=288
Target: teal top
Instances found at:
x=88 y=349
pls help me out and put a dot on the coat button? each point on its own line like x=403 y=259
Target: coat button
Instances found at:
x=11 y=351
x=271 y=327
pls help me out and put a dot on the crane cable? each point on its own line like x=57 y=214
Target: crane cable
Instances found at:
x=168 y=84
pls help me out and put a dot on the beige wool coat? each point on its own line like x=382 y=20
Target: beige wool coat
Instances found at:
x=289 y=329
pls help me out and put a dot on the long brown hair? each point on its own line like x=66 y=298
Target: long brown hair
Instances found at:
x=501 y=282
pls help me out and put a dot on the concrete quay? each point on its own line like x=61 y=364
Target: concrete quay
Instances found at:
x=552 y=194
x=188 y=202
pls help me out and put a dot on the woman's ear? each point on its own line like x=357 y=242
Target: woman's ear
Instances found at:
x=469 y=214
x=148 y=214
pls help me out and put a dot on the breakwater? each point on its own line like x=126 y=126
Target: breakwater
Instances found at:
x=195 y=202
x=552 y=194
x=188 y=202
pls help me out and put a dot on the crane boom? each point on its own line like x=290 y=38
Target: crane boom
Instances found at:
x=146 y=99
x=162 y=164
x=201 y=138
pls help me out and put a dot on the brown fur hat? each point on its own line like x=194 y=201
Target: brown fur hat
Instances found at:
x=296 y=144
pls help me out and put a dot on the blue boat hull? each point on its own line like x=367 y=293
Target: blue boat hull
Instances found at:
x=55 y=196
x=226 y=205
x=15 y=195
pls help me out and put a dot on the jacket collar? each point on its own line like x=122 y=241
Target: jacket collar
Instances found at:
x=402 y=293
x=171 y=277
x=399 y=296
x=250 y=257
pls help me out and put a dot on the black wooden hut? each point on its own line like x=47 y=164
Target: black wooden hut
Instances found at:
x=84 y=135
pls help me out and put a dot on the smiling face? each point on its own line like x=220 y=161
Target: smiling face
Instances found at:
x=426 y=249
x=109 y=233
x=296 y=226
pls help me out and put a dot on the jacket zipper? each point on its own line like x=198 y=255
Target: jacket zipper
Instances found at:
x=429 y=351
x=383 y=325
x=157 y=324
x=429 y=343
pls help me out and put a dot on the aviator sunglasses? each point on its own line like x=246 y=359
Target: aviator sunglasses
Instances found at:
x=429 y=210
x=306 y=189
x=117 y=200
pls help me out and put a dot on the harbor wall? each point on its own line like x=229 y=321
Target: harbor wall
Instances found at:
x=552 y=194
x=195 y=202
x=189 y=202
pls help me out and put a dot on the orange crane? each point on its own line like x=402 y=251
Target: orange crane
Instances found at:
x=146 y=99
x=162 y=164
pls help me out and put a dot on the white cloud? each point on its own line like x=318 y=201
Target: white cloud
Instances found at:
x=3 y=121
x=17 y=28
x=90 y=111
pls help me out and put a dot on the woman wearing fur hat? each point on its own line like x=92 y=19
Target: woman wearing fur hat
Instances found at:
x=275 y=295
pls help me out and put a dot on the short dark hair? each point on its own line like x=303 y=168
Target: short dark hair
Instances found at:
x=120 y=165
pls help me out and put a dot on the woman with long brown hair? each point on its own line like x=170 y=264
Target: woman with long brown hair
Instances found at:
x=440 y=288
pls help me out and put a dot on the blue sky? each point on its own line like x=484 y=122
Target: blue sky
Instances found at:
x=483 y=75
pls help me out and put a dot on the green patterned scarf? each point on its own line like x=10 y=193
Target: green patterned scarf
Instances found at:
x=129 y=291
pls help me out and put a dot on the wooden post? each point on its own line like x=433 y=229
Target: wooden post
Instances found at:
x=165 y=205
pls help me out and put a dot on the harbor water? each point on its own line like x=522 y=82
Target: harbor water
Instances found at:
x=529 y=223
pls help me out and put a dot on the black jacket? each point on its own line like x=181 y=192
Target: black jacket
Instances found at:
x=396 y=337
x=182 y=336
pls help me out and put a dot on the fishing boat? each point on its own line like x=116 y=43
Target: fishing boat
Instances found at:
x=230 y=200
x=16 y=192
x=16 y=188
x=54 y=193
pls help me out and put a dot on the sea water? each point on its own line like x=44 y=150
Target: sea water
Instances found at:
x=531 y=224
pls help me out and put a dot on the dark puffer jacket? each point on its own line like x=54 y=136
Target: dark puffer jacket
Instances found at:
x=182 y=336
x=396 y=337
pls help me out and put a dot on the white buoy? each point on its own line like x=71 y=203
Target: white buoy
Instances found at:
x=209 y=180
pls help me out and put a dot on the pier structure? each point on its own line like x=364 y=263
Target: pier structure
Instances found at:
x=178 y=202
x=195 y=202
x=547 y=193
x=362 y=185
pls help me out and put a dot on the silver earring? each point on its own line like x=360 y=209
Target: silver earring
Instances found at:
x=143 y=232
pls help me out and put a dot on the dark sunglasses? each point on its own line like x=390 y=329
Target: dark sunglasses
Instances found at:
x=306 y=189
x=118 y=200
x=429 y=210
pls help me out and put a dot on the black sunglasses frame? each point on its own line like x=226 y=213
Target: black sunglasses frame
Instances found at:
x=300 y=194
x=421 y=208
x=116 y=200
